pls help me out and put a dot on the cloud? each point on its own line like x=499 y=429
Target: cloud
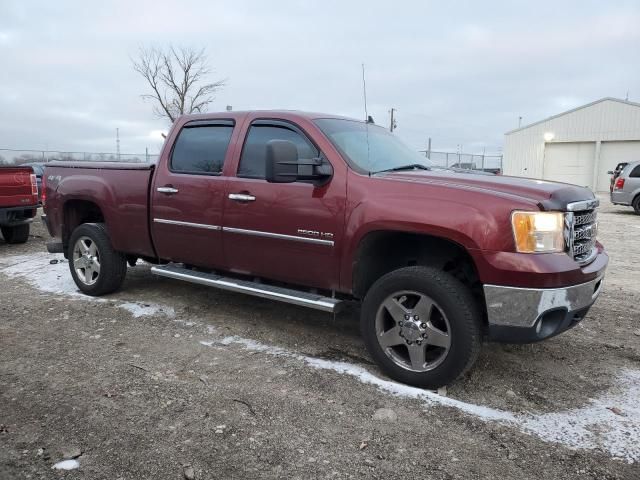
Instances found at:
x=458 y=72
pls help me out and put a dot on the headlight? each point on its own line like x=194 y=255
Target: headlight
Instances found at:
x=536 y=232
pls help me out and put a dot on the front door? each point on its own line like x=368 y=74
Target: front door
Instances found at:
x=188 y=195
x=288 y=232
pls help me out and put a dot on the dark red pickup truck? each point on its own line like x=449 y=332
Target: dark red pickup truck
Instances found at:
x=18 y=202
x=316 y=209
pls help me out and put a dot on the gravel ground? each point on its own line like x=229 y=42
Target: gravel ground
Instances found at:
x=171 y=380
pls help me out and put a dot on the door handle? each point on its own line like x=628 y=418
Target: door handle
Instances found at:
x=242 y=197
x=167 y=190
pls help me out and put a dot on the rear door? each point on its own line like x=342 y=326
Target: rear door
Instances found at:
x=288 y=232
x=188 y=194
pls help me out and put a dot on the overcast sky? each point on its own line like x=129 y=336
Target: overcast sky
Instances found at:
x=459 y=72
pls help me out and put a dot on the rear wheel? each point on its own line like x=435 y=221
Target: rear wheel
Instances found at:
x=422 y=326
x=636 y=204
x=95 y=266
x=16 y=233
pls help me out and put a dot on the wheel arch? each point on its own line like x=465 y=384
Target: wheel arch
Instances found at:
x=75 y=212
x=382 y=251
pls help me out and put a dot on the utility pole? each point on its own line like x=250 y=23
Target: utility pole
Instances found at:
x=519 y=122
x=429 y=148
x=118 y=143
x=393 y=124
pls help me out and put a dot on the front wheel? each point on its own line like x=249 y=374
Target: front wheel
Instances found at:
x=422 y=326
x=95 y=266
x=16 y=233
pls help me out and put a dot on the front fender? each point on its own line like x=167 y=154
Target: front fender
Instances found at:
x=474 y=227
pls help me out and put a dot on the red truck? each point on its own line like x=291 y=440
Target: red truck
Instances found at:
x=18 y=202
x=316 y=210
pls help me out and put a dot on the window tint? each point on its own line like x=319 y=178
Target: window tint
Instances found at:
x=201 y=149
x=635 y=172
x=254 y=153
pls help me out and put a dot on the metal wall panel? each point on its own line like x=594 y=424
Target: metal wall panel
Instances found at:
x=604 y=120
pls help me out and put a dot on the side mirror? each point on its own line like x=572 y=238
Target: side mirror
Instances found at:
x=282 y=162
x=610 y=172
x=284 y=166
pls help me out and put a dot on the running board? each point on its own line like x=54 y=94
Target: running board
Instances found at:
x=287 y=295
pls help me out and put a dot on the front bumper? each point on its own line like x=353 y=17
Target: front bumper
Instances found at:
x=525 y=315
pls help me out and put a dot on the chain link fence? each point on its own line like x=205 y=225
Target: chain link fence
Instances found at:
x=468 y=161
x=492 y=163
x=18 y=157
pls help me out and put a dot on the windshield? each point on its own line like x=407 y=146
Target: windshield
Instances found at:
x=370 y=148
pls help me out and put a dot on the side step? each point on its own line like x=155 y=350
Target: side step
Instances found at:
x=287 y=295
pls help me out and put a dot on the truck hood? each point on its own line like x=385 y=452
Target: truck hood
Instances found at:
x=547 y=195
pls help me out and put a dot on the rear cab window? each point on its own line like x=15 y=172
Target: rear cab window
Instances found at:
x=201 y=147
x=254 y=152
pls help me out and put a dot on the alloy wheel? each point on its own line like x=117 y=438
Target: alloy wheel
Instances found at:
x=413 y=331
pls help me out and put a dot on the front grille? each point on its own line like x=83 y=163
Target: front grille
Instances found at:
x=581 y=229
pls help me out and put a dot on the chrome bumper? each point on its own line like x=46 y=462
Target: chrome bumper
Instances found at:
x=526 y=307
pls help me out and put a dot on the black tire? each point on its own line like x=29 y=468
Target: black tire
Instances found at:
x=636 y=204
x=113 y=264
x=455 y=301
x=16 y=233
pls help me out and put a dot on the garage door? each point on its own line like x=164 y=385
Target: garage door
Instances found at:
x=569 y=162
x=612 y=153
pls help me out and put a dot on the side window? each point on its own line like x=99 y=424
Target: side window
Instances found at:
x=635 y=172
x=201 y=149
x=254 y=152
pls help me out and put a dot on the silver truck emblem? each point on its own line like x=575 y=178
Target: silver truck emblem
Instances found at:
x=315 y=233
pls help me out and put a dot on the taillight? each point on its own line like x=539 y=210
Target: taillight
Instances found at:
x=34 y=185
x=43 y=185
x=619 y=184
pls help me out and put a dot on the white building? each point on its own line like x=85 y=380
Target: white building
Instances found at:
x=578 y=146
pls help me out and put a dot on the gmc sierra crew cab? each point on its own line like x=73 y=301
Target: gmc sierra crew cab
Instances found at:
x=316 y=210
x=18 y=202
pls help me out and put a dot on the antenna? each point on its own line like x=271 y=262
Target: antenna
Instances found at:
x=364 y=94
x=366 y=112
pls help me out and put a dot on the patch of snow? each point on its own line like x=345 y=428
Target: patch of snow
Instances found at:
x=36 y=270
x=594 y=426
x=205 y=343
x=597 y=425
x=402 y=390
x=67 y=465
x=138 y=309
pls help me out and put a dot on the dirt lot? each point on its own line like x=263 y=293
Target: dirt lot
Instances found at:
x=170 y=380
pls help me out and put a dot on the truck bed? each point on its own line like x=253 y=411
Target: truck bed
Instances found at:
x=122 y=191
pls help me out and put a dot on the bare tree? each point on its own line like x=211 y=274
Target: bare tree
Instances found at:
x=179 y=80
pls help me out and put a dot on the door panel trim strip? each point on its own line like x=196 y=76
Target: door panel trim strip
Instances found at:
x=280 y=236
x=187 y=224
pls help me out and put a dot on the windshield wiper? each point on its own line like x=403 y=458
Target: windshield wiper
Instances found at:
x=412 y=166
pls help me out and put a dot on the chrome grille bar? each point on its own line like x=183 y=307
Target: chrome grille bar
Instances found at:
x=581 y=229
